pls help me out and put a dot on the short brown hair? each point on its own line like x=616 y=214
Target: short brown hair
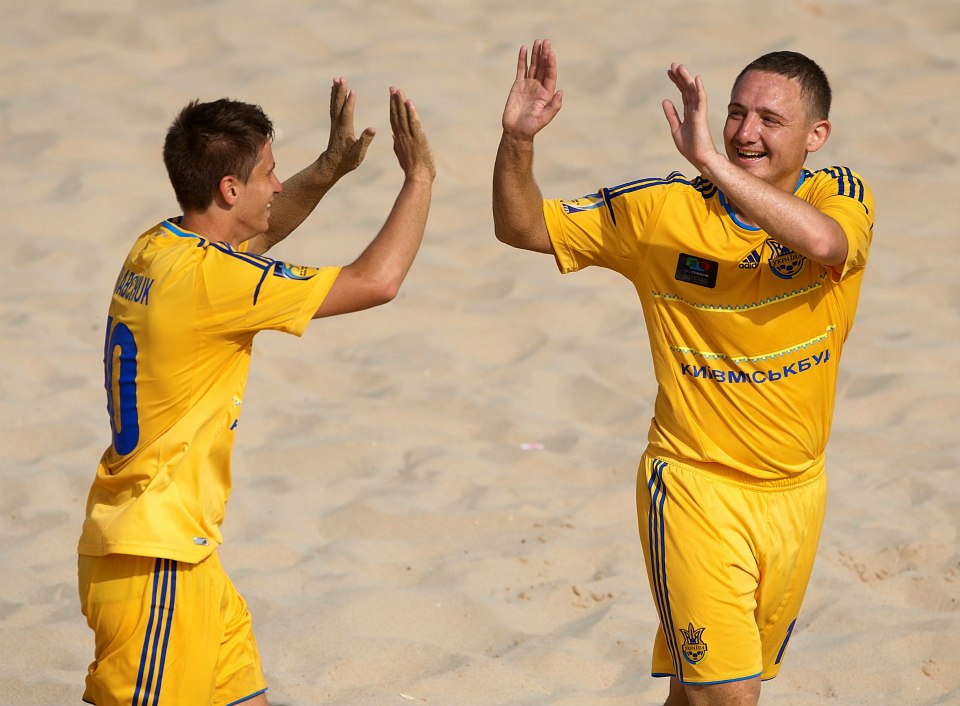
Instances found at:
x=814 y=86
x=208 y=141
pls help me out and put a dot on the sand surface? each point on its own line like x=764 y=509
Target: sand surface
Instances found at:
x=433 y=501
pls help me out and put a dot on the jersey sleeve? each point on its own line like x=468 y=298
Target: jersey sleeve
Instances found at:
x=247 y=292
x=606 y=228
x=843 y=195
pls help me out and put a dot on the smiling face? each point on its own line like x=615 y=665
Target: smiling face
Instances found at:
x=253 y=198
x=769 y=131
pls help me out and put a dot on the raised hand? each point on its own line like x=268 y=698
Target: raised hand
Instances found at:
x=691 y=131
x=409 y=142
x=533 y=101
x=344 y=151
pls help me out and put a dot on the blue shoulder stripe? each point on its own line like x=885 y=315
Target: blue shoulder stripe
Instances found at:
x=263 y=263
x=704 y=187
x=630 y=186
x=847 y=184
x=260 y=261
x=173 y=225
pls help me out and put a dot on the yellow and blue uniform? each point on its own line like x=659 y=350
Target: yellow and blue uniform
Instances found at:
x=179 y=336
x=746 y=337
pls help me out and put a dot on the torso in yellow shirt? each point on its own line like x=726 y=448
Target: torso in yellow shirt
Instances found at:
x=745 y=334
x=180 y=331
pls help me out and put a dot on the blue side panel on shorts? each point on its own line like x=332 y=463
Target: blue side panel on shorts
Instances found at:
x=247 y=698
x=786 y=639
x=161 y=618
x=658 y=496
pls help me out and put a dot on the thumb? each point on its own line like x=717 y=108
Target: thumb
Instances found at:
x=670 y=111
x=363 y=142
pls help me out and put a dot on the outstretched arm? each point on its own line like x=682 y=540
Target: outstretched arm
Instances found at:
x=303 y=191
x=794 y=222
x=533 y=102
x=375 y=277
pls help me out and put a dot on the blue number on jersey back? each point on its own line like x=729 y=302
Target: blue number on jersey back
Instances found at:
x=126 y=437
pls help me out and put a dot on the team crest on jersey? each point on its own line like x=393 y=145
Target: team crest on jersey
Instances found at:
x=694 y=648
x=784 y=262
x=282 y=269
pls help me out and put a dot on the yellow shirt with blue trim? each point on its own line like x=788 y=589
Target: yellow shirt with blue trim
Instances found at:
x=745 y=334
x=180 y=331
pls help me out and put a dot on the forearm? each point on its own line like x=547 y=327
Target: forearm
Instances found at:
x=374 y=278
x=517 y=200
x=300 y=196
x=389 y=257
x=793 y=222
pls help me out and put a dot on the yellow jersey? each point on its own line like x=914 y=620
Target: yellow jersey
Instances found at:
x=745 y=334
x=179 y=336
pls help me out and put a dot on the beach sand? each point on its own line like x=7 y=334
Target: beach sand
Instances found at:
x=433 y=500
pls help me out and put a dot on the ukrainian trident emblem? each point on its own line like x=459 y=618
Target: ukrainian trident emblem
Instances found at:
x=693 y=647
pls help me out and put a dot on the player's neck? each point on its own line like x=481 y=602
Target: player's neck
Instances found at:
x=740 y=215
x=210 y=225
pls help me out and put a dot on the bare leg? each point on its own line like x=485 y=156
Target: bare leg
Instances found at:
x=678 y=695
x=735 y=693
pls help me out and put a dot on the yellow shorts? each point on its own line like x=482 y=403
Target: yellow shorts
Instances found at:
x=167 y=632
x=728 y=562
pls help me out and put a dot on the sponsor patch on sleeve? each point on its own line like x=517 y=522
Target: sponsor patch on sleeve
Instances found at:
x=288 y=271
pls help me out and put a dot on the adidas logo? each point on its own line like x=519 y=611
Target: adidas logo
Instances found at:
x=751 y=261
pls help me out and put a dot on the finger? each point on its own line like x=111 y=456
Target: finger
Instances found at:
x=522 y=64
x=398 y=113
x=535 y=59
x=674 y=76
x=555 y=104
x=701 y=91
x=543 y=61
x=684 y=76
x=346 y=109
x=673 y=117
x=548 y=67
x=394 y=118
x=337 y=92
x=413 y=118
x=366 y=137
x=362 y=143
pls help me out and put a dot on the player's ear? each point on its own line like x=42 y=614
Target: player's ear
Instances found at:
x=817 y=137
x=229 y=189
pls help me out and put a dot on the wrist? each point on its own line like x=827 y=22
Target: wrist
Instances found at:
x=420 y=176
x=712 y=167
x=516 y=143
x=324 y=169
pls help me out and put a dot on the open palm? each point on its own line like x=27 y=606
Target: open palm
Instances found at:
x=344 y=151
x=533 y=101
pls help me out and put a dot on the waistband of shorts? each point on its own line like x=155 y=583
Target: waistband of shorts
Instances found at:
x=735 y=477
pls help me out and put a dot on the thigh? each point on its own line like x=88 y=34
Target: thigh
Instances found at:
x=793 y=534
x=699 y=543
x=166 y=633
